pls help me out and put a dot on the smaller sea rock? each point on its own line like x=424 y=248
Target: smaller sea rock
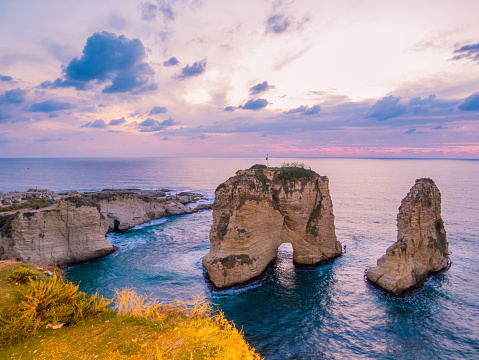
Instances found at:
x=421 y=247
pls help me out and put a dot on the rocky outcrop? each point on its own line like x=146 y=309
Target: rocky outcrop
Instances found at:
x=257 y=210
x=421 y=247
x=67 y=234
x=74 y=228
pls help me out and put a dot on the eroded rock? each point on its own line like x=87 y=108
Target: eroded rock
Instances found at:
x=257 y=210
x=421 y=247
x=74 y=228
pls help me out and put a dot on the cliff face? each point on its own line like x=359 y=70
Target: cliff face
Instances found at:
x=421 y=247
x=66 y=234
x=257 y=210
x=74 y=229
x=123 y=210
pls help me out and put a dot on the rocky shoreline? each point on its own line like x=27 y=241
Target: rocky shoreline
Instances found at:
x=72 y=227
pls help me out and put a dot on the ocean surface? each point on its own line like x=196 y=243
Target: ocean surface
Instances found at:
x=324 y=312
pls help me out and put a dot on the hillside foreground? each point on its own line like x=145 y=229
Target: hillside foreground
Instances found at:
x=44 y=317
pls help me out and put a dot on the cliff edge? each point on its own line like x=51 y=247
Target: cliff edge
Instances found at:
x=257 y=210
x=73 y=229
x=421 y=246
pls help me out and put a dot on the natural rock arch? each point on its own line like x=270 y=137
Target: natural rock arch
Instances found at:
x=258 y=210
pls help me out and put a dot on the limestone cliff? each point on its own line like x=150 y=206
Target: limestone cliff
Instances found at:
x=421 y=247
x=257 y=210
x=74 y=228
x=66 y=234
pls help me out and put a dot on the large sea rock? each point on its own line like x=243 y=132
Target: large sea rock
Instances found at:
x=257 y=210
x=421 y=246
x=73 y=229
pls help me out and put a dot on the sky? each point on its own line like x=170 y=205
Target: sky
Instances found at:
x=216 y=78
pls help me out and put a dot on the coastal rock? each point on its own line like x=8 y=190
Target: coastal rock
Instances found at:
x=421 y=247
x=74 y=228
x=257 y=210
x=66 y=234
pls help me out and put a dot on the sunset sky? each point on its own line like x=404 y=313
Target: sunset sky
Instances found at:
x=243 y=78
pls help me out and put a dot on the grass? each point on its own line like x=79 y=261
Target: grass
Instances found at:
x=32 y=204
x=140 y=327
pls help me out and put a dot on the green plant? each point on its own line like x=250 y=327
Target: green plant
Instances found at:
x=44 y=302
x=32 y=204
x=22 y=275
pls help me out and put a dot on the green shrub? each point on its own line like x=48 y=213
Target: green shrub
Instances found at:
x=22 y=275
x=43 y=302
x=32 y=204
x=258 y=167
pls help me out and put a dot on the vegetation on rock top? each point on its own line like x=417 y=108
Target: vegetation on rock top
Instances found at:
x=289 y=171
x=32 y=204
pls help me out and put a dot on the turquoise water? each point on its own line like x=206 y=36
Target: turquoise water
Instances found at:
x=325 y=312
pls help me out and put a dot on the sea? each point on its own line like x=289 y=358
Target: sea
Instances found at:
x=323 y=312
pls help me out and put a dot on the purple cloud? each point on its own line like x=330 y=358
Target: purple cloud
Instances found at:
x=108 y=58
x=471 y=103
x=254 y=104
x=196 y=69
x=259 y=88
x=386 y=108
x=97 y=124
x=172 y=61
x=470 y=52
x=49 y=106
x=117 y=122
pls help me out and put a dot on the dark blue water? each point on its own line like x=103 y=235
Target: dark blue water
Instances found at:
x=326 y=312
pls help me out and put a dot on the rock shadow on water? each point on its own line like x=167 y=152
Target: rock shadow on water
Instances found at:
x=282 y=266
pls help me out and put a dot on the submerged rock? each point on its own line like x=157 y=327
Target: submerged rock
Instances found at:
x=257 y=210
x=421 y=247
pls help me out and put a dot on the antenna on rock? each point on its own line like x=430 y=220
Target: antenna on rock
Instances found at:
x=267 y=162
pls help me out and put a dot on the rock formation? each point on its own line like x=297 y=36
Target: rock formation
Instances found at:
x=421 y=247
x=257 y=210
x=74 y=228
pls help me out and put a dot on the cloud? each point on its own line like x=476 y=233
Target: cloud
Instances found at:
x=48 y=139
x=439 y=127
x=471 y=103
x=158 y=110
x=259 y=88
x=417 y=101
x=97 y=124
x=116 y=21
x=172 y=61
x=196 y=69
x=254 y=104
x=166 y=9
x=386 y=108
x=49 y=106
x=14 y=96
x=277 y=24
x=4 y=117
x=148 y=11
x=5 y=78
x=470 y=52
x=117 y=122
x=230 y=108
x=152 y=125
x=410 y=131
x=107 y=57
x=305 y=110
